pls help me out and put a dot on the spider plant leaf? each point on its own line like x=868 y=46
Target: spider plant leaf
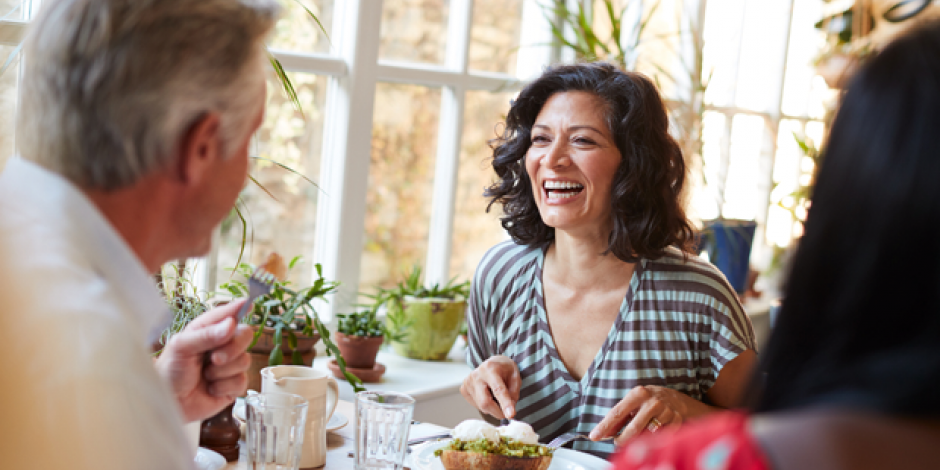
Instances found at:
x=285 y=167
x=286 y=83
x=241 y=247
x=253 y=180
x=317 y=20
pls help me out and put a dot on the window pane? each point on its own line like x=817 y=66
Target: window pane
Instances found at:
x=401 y=176
x=7 y=104
x=414 y=31
x=285 y=224
x=475 y=230
x=741 y=188
x=495 y=35
x=762 y=47
x=705 y=189
x=723 y=24
x=297 y=31
x=802 y=94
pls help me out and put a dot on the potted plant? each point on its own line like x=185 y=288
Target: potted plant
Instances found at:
x=431 y=316
x=185 y=300
x=286 y=324
x=358 y=336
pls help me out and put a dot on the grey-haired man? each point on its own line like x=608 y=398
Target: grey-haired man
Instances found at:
x=133 y=134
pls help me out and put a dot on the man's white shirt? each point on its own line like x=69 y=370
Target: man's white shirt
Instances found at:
x=79 y=313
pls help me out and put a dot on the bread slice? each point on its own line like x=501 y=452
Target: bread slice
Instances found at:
x=468 y=460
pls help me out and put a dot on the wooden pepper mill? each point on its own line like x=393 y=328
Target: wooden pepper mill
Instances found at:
x=220 y=433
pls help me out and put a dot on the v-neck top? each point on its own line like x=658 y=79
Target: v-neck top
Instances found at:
x=679 y=324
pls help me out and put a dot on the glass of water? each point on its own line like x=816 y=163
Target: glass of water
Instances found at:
x=276 y=424
x=382 y=423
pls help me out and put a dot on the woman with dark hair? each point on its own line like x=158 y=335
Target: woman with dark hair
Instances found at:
x=596 y=318
x=851 y=376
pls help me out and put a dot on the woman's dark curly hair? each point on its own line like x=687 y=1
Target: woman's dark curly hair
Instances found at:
x=646 y=192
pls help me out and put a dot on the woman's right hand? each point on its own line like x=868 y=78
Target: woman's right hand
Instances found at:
x=493 y=387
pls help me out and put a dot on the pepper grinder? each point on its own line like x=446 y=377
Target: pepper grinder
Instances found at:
x=220 y=433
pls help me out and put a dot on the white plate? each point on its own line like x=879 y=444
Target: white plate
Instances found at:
x=209 y=459
x=422 y=458
x=336 y=421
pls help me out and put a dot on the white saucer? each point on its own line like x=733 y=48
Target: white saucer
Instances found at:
x=336 y=421
x=209 y=459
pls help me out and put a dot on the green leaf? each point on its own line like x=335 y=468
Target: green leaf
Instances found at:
x=285 y=167
x=294 y=261
x=286 y=83
x=276 y=358
x=297 y=358
x=253 y=180
x=327 y=36
x=291 y=339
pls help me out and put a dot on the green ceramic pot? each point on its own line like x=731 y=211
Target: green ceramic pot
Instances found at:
x=435 y=324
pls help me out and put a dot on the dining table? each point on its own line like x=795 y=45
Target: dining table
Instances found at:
x=340 y=442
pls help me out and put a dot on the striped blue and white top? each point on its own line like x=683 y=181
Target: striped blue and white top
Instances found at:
x=679 y=323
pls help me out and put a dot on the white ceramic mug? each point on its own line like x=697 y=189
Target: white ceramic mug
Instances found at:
x=321 y=392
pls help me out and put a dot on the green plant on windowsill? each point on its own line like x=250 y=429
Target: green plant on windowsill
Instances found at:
x=430 y=314
x=289 y=312
x=185 y=300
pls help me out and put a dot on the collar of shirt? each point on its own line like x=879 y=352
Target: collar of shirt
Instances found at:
x=64 y=205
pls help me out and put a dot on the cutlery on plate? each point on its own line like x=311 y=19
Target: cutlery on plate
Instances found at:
x=571 y=436
x=432 y=437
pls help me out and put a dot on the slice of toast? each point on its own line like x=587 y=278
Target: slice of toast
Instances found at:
x=466 y=460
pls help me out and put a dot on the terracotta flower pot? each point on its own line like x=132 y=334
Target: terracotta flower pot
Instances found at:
x=358 y=351
x=261 y=352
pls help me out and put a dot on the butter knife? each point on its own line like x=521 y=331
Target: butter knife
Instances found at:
x=433 y=437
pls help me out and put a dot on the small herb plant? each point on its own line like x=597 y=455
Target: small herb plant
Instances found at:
x=182 y=296
x=362 y=323
x=365 y=323
x=290 y=311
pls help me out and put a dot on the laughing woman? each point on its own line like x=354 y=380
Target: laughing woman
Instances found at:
x=596 y=317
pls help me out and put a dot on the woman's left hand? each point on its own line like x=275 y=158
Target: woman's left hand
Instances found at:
x=641 y=406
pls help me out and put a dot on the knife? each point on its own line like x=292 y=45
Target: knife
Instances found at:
x=419 y=440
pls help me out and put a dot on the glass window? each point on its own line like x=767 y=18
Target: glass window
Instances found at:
x=762 y=44
x=705 y=196
x=282 y=216
x=722 y=51
x=475 y=230
x=297 y=31
x=414 y=31
x=401 y=180
x=741 y=185
x=803 y=95
x=495 y=35
x=7 y=104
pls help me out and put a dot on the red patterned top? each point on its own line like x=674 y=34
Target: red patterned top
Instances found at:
x=718 y=442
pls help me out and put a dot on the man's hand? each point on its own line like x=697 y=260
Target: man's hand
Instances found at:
x=204 y=388
x=497 y=377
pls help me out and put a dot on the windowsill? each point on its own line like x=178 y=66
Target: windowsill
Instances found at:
x=423 y=380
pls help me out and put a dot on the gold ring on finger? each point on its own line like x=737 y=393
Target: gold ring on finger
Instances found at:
x=654 y=425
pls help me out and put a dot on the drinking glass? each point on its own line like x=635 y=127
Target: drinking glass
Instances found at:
x=275 y=437
x=382 y=423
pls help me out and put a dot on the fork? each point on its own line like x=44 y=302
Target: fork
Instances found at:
x=571 y=436
x=259 y=283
